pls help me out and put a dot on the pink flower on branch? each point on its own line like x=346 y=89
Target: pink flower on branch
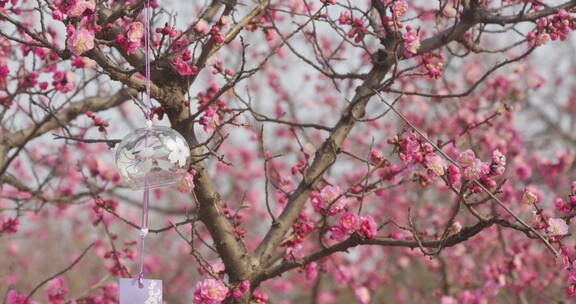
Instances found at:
x=477 y=170
x=349 y=222
x=362 y=294
x=13 y=297
x=77 y=8
x=10 y=225
x=81 y=41
x=529 y=198
x=187 y=184
x=210 y=291
x=557 y=227
x=435 y=163
x=399 y=8
x=368 y=226
x=64 y=81
x=135 y=32
x=411 y=43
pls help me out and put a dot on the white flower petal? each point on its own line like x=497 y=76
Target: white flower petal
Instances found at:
x=179 y=142
x=173 y=157
x=171 y=144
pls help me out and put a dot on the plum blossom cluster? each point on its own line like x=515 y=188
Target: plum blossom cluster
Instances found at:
x=412 y=149
x=552 y=28
x=131 y=40
x=102 y=170
x=13 y=297
x=9 y=225
x=80 y=37
x=64 y=81
x=210 y=291
x=411 y=42
x=73 y=8
x=57 y=290
x=187 y=183
x=98 y=122
x=474 y=169
x=213 y=111
x=350 y=223
x=236 y=218
x=358 y=28
x=300 y=229
x=432 y=63
x=330 y=200
x=567 y=206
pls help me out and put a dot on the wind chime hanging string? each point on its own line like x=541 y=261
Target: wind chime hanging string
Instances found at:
x=150 y=157
x=146 y=196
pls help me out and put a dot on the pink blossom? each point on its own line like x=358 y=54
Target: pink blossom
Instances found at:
x=454 y=174
x=83 y=62
x=541 y=39
x=184 y=68
x=320 y=201
x=187 y=183
x=243 y=288
x=330 y=193
x=135 y=32
x=57 y=15
x=4 y=70
x=362 y=294
x=399 y=8
x=557 y=226
x=411 y=44
x=376 y=157
x=456 y=227
x=448 y=300
x=345 y=18
x=81 y=41
x=368 y=226
x=217 y=36
x=476 y=170
x=14 y=297
x=210 y=291
x=498 y=158
x=79 y=7
x=562 y=206
x=571 y=290
x=435 y=164
x=259 y=297
x=338 y=233
x=214 y=266
x=10 y=225
x=202 y=27
x=466 y=158
x=311 y=271
x=349 y=222
x=210 y=119
x=237 y=294
x=57 y=290
x=529 y=198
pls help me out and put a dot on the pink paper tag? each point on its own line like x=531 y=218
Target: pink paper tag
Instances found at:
x=130 y=293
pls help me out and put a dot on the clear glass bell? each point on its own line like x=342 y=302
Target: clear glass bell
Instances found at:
x=155 y=155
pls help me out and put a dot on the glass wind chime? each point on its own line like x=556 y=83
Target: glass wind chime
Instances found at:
x=149 y=158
